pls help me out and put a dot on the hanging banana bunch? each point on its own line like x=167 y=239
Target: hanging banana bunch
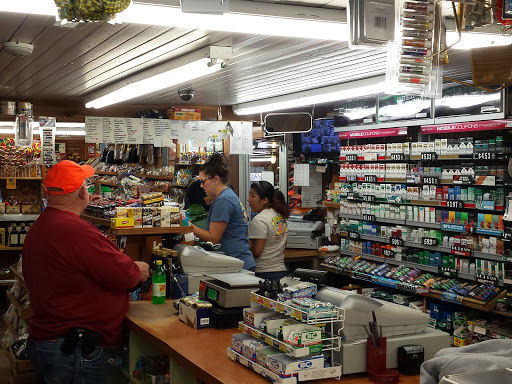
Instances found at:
x=90 y=10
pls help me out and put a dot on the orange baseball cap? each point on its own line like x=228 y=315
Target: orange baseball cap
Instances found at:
x=66 y=176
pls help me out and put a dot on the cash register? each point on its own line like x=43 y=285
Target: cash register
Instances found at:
x=304 y=234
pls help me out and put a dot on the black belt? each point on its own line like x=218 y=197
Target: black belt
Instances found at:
x=89 y=340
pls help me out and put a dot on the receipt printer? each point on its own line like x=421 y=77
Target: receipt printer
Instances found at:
x=305 y=234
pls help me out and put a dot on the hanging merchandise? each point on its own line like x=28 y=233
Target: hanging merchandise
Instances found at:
x=90 y=10
x=47 y=133
x=414 y=60
x=23 y=130
x=19 y=161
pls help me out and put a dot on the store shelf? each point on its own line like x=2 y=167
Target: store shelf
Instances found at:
x=289 y=349
x=132 y=379
x=323 y=317
x=11 y=248
x=487 y=256
x=330 y=204
x=23 y=178
x=25 y=313
x=304 y=375
x=472 y=303
x=408 y=264
x=96 y=220
x=108 y=183
x=422 y=224
x=157 y=177
x=153 y=231
x=106 y=173
x=18 y=216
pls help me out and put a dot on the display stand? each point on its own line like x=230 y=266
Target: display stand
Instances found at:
x=332 y=342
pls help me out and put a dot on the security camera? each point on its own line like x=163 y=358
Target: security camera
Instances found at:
x=186 y=94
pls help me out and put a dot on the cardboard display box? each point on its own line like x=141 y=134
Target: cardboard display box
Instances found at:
x=195 y=317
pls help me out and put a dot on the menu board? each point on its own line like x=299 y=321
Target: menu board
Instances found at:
x=159 y=132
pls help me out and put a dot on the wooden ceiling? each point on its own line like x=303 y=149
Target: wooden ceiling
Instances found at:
x=69 y=64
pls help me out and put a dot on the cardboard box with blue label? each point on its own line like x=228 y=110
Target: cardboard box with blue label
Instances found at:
x=195 y=317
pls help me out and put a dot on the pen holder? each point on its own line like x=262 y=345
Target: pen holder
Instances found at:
x=375 y=355
x=376 y=363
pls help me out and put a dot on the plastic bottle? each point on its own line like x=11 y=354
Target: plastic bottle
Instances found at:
x=158 y=280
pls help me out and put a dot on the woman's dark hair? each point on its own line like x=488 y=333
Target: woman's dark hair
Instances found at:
x=276 y=198
x=216 y=165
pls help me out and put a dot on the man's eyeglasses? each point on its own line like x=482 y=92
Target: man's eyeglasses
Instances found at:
x=202 y=181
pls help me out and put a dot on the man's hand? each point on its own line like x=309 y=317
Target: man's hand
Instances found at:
x=144 y=270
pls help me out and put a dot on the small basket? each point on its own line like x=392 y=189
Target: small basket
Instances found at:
x=12 y=208
x=30 y=205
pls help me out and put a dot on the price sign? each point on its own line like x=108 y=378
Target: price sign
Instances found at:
x=430 y=241
x=455 y=204
x=368 y=217
x=507 y=234
x=388 y=253
x=428 y=156
x=448 y=271
x=429 y=180
x=484 y=156
x=370 y=178
x=398 y=156
x=351 y=158
x=353 y=235
x=351 y=178
x=350 y=196
x=369 y=198
x=396 y=241
x=461 y=251
x=485 y=278
x=462 y=179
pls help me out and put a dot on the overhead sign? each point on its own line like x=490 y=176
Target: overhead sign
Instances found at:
x=487 y=125
x=384 y=132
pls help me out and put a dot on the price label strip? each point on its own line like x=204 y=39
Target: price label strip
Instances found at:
x=370 y=178
x=369 y=198
x=430 y=180
x=430 y=241
x=353 y=235
x=428 y=156
x=461 y=251
x=351 y=158
x=397 y=157
x=368 y=217
x=396 y=241
x=459 y=204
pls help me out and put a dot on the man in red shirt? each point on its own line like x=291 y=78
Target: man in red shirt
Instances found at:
x=78 y=283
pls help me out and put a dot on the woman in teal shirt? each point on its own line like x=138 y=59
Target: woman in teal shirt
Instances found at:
x=227 y=221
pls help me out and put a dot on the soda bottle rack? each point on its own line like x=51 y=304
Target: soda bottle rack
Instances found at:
x=312 y=317
x=305 y=375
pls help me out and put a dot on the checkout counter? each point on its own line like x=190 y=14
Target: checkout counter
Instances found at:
x=197 y=356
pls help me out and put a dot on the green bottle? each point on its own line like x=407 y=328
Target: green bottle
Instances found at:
x=158 y=280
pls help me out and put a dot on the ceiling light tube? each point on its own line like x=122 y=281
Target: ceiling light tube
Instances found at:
x=184 y=73
x=292 y=20
x=370 y=86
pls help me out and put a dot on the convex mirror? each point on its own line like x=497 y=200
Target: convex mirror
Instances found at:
x=278 y=123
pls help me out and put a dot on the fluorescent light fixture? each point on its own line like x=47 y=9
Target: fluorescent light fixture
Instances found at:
x=235 y=22
x=262 y=160
x=67 y=129
x=370 y=86
x=477 y=40
x=464 y=101
x=335 y=28
x=155 y=83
